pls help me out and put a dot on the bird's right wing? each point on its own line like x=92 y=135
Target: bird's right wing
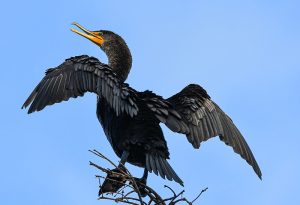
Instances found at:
x=76 y=76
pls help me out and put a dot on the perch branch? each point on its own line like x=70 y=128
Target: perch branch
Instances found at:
x=129 y=191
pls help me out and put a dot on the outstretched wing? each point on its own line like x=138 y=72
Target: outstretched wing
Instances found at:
x=205 y=120
x=192 y=112
x=76 y=76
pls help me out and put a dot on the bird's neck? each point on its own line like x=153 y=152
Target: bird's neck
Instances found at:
x=120 y=60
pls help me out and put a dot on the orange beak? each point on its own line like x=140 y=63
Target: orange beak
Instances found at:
x=91 y=35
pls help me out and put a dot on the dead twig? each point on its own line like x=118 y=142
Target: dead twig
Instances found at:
x=128 y=190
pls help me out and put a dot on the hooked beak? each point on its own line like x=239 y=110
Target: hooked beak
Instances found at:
x=91 y=35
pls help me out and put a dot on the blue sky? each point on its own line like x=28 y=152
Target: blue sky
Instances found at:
x=244 y=53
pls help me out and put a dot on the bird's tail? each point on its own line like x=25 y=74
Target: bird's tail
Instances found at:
x=159 y=165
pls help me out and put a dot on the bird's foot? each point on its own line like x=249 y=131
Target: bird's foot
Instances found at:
x=141 y=183
x=113 y=181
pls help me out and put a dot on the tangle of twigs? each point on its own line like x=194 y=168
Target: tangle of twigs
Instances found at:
x=128 y=188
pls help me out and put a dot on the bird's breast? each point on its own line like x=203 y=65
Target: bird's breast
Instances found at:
x=138 y=135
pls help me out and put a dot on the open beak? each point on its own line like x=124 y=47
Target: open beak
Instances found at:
x=91 y=35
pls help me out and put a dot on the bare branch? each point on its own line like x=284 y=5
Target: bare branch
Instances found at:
x=203 y=190
x=128 y=189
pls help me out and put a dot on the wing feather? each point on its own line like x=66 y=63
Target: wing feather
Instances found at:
x=75 y=77
x=201 y=119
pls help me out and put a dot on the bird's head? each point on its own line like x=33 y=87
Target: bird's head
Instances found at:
x=106 y=40
x=113 y=45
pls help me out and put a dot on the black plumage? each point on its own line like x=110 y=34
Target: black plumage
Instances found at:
x=130 y=118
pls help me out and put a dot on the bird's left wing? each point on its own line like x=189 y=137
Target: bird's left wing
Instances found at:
x=164 y=111
x=76 y=76
x=193 y=113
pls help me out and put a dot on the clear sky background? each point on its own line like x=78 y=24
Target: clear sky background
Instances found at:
x=246 y=54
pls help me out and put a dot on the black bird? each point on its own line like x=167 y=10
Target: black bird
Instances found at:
x=130 y=118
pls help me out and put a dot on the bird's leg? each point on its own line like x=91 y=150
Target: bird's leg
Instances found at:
x=144 y=177
x=122 y=162
x=124 y=157
x=115 y=180
x=141 y=182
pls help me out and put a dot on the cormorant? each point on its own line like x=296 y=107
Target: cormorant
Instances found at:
x=130 y=118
